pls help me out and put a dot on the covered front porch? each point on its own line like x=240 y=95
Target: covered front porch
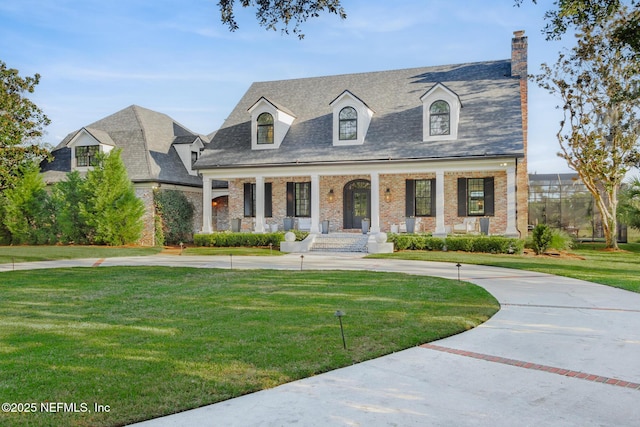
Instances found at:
x=381 y=195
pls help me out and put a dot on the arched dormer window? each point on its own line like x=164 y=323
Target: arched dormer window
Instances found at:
x=440 y=114
x=348 y=124
x=265 y=128
x=439 y=118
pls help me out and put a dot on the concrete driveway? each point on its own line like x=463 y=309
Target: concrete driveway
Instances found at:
x=560 y=352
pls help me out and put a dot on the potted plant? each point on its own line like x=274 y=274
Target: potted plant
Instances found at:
x=365 y=225
x=484 y=225
x=411 y=224
x=288 y=223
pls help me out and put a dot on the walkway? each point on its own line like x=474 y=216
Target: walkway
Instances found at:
x=560 y=352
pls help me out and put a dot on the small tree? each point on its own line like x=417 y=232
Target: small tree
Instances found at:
x=112 y=208
x=24 y=209
x=541 y=238
x=68 y=197
x=599 y=86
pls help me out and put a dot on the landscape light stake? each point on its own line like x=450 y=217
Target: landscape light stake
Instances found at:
x=270 y=248
x=339 y=315
x=181 y=247
x=458 y=265
x=301 y=261
x=231 y=261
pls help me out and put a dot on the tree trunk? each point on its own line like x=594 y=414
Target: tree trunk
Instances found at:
x=606 y=200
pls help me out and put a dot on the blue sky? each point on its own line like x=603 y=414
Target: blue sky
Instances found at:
x=99 y=56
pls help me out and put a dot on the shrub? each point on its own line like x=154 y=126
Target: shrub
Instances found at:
x=228 y=239
x=494 y=244
x=464 y=244
x=541 y=238
x=561 y=240
x=175 y=213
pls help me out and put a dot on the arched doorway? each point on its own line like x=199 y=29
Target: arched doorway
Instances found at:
x=357 y=203
x=220 y=213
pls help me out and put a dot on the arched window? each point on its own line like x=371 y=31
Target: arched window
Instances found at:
x=265 y=128
x=439 y=118
x=348 y=124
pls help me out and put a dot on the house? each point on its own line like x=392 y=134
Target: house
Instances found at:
x=439 y=144
x=157 y=152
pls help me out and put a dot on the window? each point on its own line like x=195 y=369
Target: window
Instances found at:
x=86 y=155
x=475 y=193
x=475 y=197
x=421 y=199
x=250 y=200
x=348 y=124
x=194 y=158
x=299 y=199
x=439 y=118
x=265 y=128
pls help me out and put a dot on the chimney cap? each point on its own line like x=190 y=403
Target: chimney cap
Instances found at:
x=518 y=34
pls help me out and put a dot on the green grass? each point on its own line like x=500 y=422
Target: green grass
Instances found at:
x=202 y=250
x=150 y=341
x=9 y=254
x=618 y=269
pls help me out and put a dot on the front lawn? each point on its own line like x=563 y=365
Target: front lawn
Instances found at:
x=586 y=262
x=150 y=341
x=10 y=254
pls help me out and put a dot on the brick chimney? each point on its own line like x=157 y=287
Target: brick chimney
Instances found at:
x=519 y=54
x=519 y=70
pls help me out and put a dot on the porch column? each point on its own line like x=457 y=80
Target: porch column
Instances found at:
x=441 y=230
x=375 y=203
x=512 y=228
x=259 y=225
x=315 y=204
x=206 y=205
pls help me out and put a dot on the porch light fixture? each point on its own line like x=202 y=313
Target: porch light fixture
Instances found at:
x=387 y=195
x=331 y=195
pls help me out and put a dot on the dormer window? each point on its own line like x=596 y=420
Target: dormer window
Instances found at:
x=439 y=118
x=351 y=119
x=85 y=147
x=87 y=155
x=348 y=124
x=440 y=114
x=265 y=128
x=269 y=124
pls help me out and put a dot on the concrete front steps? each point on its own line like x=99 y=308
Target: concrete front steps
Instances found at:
x=340 y=242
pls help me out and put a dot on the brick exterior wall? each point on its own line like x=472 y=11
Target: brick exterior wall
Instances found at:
x=392 y=212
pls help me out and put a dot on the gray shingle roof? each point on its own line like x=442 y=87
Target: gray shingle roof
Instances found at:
x=490 y=120
x=146 y=139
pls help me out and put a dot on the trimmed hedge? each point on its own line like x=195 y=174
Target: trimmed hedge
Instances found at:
x=486 y=244
x=228 y=239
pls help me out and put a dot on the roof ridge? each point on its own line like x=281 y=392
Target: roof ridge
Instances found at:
x=388 y=71
x=144 y=137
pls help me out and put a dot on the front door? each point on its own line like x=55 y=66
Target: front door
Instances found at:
x=357 y=203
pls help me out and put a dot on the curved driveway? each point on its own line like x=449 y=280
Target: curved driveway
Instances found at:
x=560 y=352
